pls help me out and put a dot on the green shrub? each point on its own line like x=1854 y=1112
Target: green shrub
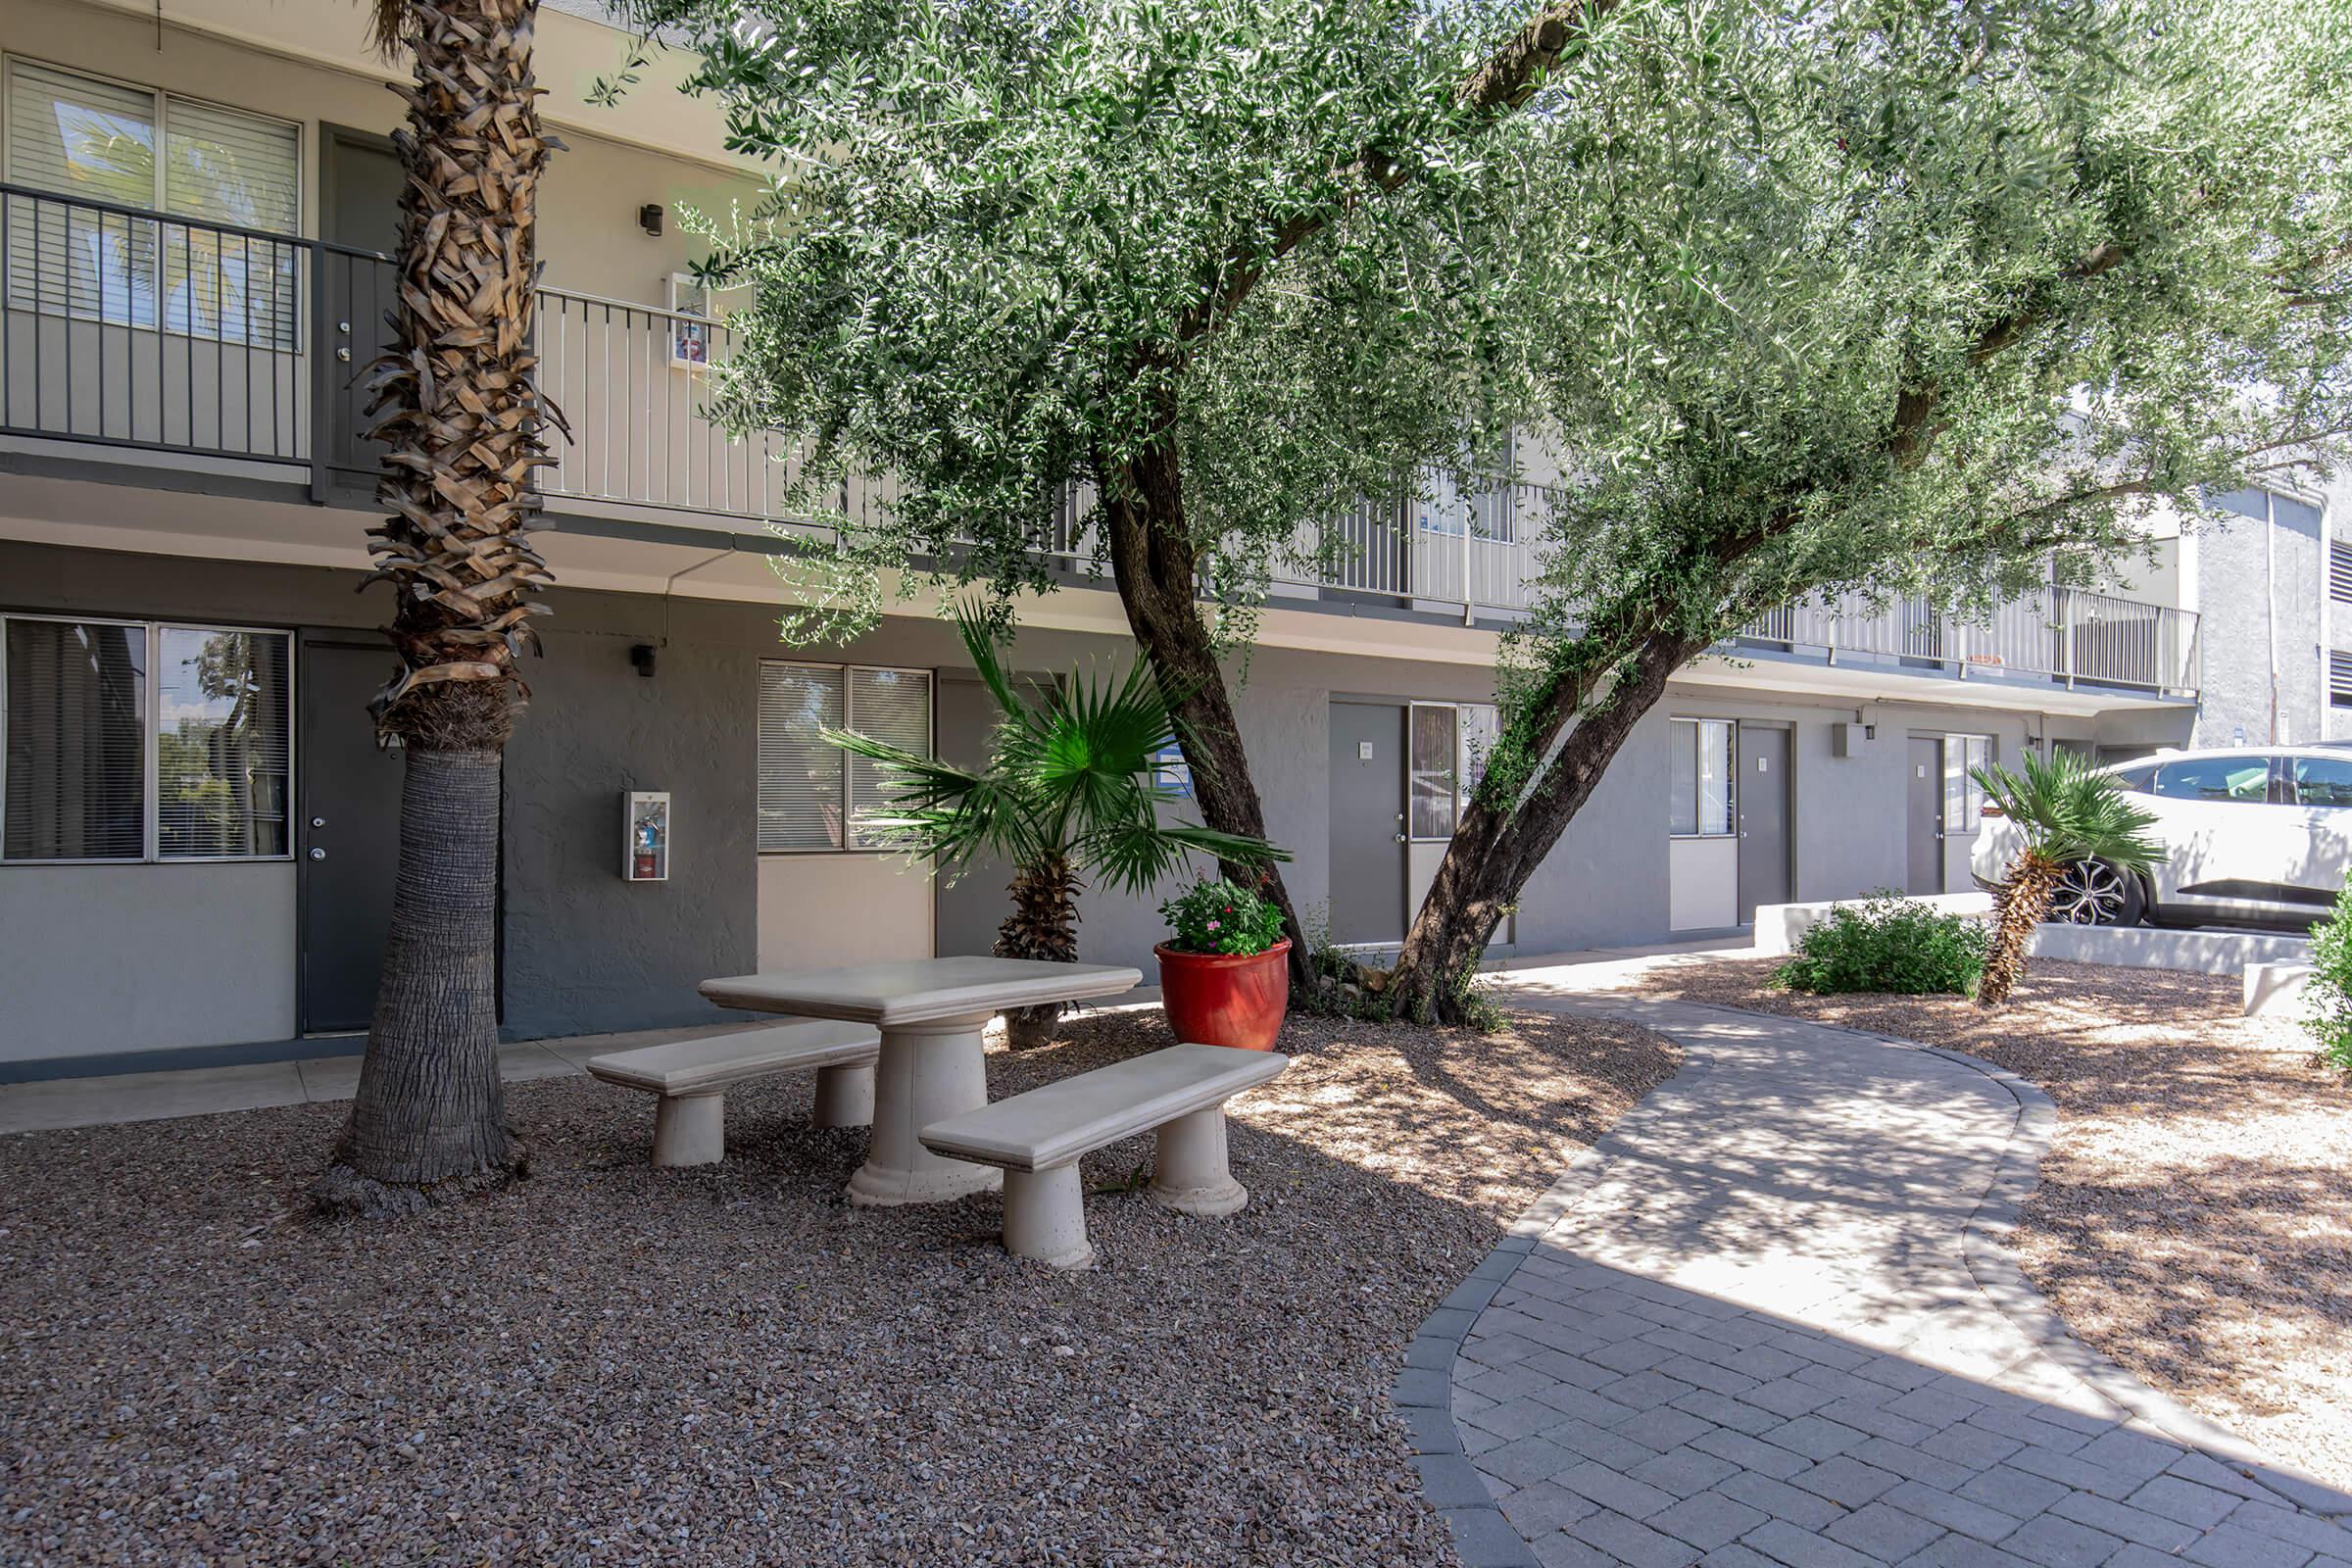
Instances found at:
x=2327 y=995
x=1889 y=943
x=1219 y=918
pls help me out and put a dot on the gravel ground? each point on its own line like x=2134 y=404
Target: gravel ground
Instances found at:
x=2194 y=1219
x=610 y=1365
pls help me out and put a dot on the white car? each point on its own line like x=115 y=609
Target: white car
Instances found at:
x=2253 y=835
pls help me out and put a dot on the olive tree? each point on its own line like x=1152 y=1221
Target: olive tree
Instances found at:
x=1967 y=291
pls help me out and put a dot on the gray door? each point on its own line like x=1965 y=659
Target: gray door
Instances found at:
x=1367 y=823
x=348 y=843
x=1923 y=792
x=1763 y=796
x=360 y=181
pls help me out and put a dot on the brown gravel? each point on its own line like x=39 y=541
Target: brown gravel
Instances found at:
x=612 y=1366
x=2194 y=1219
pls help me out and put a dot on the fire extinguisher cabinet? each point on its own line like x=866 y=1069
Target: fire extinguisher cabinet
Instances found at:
x=645 y=835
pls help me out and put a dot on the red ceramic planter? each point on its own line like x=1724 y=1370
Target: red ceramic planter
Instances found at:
x=1221 y=998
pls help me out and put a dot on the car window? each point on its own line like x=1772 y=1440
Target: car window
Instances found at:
x=2322 y=781
x=2136 y=779
x=2216 y=778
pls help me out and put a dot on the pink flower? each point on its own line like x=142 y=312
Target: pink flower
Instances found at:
x=1213 y=926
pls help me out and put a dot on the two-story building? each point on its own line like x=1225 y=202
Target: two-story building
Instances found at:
x=197 y=825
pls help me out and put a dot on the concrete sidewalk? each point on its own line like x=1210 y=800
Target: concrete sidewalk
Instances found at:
x=1773 y=1317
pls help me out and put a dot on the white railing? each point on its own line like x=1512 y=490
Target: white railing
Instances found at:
x=2065 y=634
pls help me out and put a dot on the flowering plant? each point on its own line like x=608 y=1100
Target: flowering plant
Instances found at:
x=1219 y=918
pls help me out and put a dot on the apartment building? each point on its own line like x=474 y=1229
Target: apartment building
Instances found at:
x=197 y=825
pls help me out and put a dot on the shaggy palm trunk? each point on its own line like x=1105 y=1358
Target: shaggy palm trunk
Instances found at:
x=1495 y=849
x=1043 y=924
x=460 y=419
x=1158 y=573
x=2024 y=903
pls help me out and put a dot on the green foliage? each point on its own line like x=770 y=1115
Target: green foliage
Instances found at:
x=2327 y=993
x=1887 y=943
x=1069 y=778
x=2068 y=811
x=1219 y=918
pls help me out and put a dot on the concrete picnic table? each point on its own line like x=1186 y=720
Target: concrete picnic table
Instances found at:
x=930 y=1013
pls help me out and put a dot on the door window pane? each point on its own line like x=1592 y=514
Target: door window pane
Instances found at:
x=1434 y=746
x=1699 y=778
x=222 y=743
x=2243 y=779
x=2322 y=781
x=893 y=705
x=1963 y=796
x=1481 y=727
x=75 y=702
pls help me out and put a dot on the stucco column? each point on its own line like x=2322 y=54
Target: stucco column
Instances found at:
x=690 y=1129
x=927 y=1072
x=1189 y=1168
x=845 y=1097
x=1044 y=1217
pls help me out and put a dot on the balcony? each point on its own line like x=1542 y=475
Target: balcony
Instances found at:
x=124 y=329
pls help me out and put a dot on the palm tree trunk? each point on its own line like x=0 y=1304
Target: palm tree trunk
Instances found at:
x=461 y=418
x=1043 y=924
x=2023 y=905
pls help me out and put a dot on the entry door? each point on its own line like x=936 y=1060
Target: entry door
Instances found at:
x=361 y=181
x=347 y=847
x=1367 y=823
x=1924 y=795
x=1763 y=797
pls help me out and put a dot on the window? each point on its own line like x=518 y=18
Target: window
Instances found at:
x=2339 y=571
x=2339 y=679
x=1483 y=506
x=811 y=794
x=2321 y=781
x=1699 y=786
x=2136 y=780
x=2216 y=778
x=1963 y=796
x=94 y=141
x=1450 y=744
x=81 y=701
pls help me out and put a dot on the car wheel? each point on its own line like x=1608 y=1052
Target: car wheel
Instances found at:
x=2095 y=893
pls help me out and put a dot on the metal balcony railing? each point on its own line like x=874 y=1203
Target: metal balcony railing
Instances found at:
x=126 y=327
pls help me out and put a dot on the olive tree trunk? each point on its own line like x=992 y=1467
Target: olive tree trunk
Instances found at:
x=1498 y=846
x=1158 y=573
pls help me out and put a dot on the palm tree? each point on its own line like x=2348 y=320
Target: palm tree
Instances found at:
x=461 y=418
x=1068 y=793
x=2068 y=812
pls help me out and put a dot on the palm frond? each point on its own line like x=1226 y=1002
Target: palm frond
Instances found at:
x=2068 y=811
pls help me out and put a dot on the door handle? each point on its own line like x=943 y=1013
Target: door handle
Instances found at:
x=317 y=855
x=1400 y=838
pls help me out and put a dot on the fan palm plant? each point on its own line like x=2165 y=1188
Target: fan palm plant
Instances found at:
x=1068 y=793
x=460 y=417
x=2067 y=812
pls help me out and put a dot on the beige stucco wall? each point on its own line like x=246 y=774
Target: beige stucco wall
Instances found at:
x=819 y=910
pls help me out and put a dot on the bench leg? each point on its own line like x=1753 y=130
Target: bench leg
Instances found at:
x=845 y=1097
x=690 y=1130
x=1189 y=1169
x=1044 y=1217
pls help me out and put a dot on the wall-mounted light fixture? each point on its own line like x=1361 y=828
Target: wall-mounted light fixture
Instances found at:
x=648 y=218
x=641 y=658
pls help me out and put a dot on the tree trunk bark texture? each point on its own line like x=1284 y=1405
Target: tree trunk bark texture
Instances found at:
x=1494 y=851
x=430 y=1118
x=1157 y=574
x=2020 y=907
x=1043 y=924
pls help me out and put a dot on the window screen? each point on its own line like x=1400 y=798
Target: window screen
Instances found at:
x=893 y=705
x=1699 y=778
x=800 y=777
x=76 y=702
x=222 y=744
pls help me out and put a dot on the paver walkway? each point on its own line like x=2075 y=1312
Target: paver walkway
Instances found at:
x=1773 y=1319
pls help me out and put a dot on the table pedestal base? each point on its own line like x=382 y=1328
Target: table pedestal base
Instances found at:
x=927 y=1072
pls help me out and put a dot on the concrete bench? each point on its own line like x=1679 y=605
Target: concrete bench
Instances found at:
x=1038 y=1137
x=692 y=1077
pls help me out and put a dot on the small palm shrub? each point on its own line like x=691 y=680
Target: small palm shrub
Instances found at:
x=1889 y=943
x=2327 y=993
x=2067 y=811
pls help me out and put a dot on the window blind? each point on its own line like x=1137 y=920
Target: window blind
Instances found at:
x=892 y=705
x=2339 y=679
x=800 y=777
x=75 y=702
x=2339 y=571
x=222 y=743
x=1698 y=791
x=96 y=141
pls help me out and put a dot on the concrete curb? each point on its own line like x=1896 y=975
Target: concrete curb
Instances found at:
x=1482 y=1538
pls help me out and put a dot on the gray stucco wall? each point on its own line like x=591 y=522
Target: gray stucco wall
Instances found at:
x=2237 y=590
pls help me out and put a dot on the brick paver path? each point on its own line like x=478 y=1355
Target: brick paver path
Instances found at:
x=1771 y=1319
